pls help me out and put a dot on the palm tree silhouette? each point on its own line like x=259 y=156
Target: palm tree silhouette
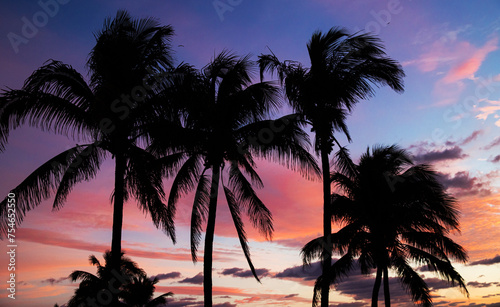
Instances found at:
x=392 y=212
x=225 y=127
x=344 y=70
x=129 y=283
x=140 y=291
x=128 y=58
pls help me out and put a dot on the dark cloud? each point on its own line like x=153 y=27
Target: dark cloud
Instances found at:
x=170 y=275
x=305 y=273
x=460 y=180
x=495 y=159
x=489 y=261
x=453 y=153
x=237 y=272
x=290 y=296
x=464 y=185
x=494 y=143
x=197 y=280
x=54 y=281
x=477 y=284
x=490 y=295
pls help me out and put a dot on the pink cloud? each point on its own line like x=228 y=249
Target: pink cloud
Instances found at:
x=62 y=240
x=468 y=67
x=457 y=61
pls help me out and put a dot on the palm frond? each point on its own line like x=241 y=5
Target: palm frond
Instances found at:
x=412 y=282
x=184 y=181
x=84 y=166
x=286 y=144
x=199 y=213
x=144 y=181
x=41 y=110
x=238 y=224
x=259 y=214
x=39 y=185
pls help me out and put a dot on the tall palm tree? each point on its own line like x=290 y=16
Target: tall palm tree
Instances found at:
x=129 y=57
x=134 y=287
x=226 y=128
x=343 y=70
x=393 y=212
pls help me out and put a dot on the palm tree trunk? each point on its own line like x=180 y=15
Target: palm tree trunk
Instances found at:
x=387 y=295
x=376 y=287
x=116 y=241
x=327 y=222
x=209 y=237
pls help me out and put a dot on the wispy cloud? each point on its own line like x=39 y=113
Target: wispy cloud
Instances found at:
x=171 y=275
x=467 y=67
x=494 y=143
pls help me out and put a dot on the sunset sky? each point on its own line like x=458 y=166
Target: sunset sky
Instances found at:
x=448 y=116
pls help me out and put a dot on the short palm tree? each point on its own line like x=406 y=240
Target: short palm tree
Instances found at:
x=124 y=68
x=130 y=283
x=393 y=213
x=226 y=128
x=344 y=70
x=140 y=291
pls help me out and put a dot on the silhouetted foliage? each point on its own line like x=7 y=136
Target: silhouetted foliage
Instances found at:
x=112 y=114
x=344 y=69
x=129 y=284
x=225 y=116
x=393 y=213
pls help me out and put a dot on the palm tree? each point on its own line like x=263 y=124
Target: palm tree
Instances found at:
x=129 y=57
x=130 y=283
x=225 y=128
x=140 y=291
x=344 y=70
x=392 y=212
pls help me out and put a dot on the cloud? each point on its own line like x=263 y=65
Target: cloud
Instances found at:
x=477 y=284
x=457 y=60
x=487 y=111
x=494 y=143
x=171 y=275
x=495 y=159
x=193 y=302
x=249 y=300
x=468 y=66
x=453 y=153
x=489 y=261
x=290 y=296
x=53 y=281
x=237 y=272
x=462 y=184
x=62 y=240
x=460 y=180
x=196 y=280
x=471 y=137
x=299 y=272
